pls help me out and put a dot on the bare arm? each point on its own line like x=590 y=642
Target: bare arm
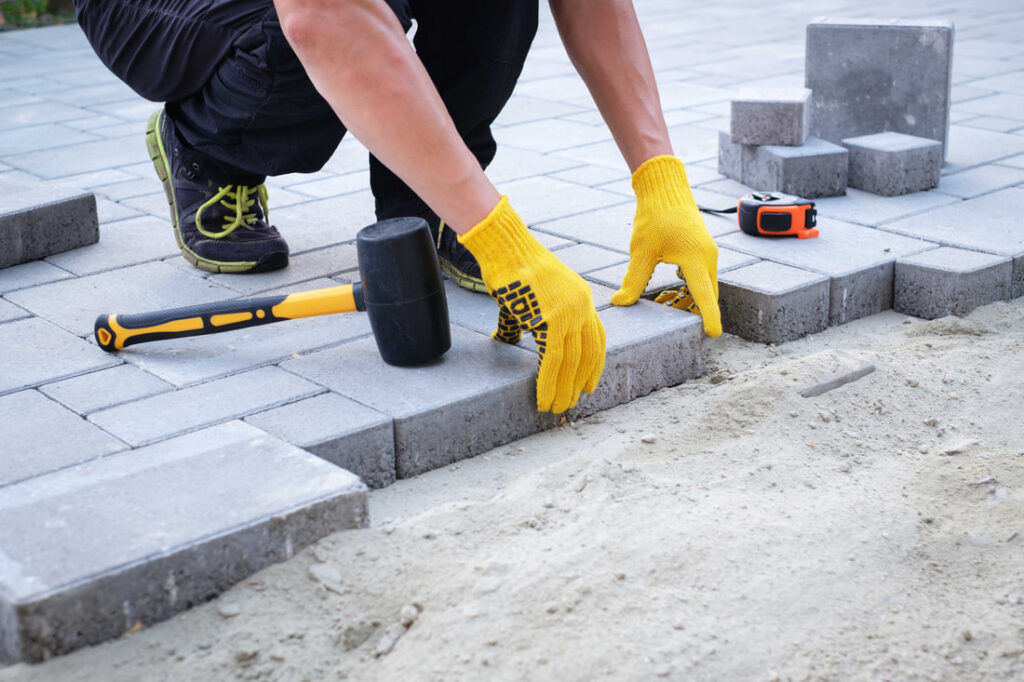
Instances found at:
x=605 y=44
x=359 y=59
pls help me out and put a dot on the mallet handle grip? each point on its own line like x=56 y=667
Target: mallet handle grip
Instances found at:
x=114 y=332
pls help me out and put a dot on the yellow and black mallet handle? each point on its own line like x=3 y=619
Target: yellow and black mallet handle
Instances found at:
x=114 y=332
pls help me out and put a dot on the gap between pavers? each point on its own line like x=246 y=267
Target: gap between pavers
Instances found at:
x=141 y=535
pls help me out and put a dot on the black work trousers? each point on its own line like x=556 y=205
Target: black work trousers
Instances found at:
x=238 y=94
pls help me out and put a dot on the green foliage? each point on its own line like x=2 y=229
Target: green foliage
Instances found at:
x=22 y=12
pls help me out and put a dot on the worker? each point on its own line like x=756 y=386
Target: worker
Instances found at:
x=254 y=88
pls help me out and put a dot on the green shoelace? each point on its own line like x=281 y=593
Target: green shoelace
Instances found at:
x=239 y=201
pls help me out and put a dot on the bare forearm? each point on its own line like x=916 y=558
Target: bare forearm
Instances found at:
x=606 y=46
x=359 y=59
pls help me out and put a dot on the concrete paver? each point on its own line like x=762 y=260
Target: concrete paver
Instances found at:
x=34 y=351
x=773 y=303
x=40 y=219
x=948 y=281
x=108 y=387
x=142 y=535
x=41 y=436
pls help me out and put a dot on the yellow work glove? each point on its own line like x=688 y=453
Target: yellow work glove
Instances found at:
x=535 y=292
x=668 y=228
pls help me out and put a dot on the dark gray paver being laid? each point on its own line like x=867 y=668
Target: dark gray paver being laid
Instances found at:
x=874 y=75
x=772 y=303
x=478 y=396
x=141 y=535
x=168 y=414
x=40 y=436
x=990 y=223
x=771 y=116
x=893 y=163
x=339 y=430
x=108 y=387
x=859 y=261
x=949 y=281
x=40 y=219
x=33 y=352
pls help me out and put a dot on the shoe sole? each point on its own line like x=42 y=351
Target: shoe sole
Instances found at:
x=462 y=279
x=157 y=153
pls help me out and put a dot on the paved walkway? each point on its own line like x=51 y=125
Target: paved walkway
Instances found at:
x=318 y=383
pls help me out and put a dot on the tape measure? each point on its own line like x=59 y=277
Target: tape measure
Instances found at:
x=767 y=214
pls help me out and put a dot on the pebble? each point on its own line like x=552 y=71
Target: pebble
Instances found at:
x=354 y=635
x=931 y=421
x=912 y=383
x=647 y=439
x=845 y=468
x=389 y=640
x=229 y=610
x=246 y=651
x=324 y=573
x=408 y=615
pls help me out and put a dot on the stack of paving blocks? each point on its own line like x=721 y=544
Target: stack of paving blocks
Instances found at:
x=768 y=146
x=880 y=89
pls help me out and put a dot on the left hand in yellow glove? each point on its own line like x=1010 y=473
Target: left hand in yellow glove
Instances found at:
x=668 y=228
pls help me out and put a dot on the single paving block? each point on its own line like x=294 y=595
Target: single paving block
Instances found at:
x=890 y=164
x=990 y=223
x=874 y=75
x=108 y=387
x=169 y=414
x=478 y=396
x=859 y=261
x=950 y=281
x=773 y=303
x=771 y=116
x=339 y=430
x=138 y=536
x=814 y=169
x=34 y=352
x=648 y=346
x=41 y=436
x=43 y=218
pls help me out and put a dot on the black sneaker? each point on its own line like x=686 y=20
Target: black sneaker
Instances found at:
x=456 y=260
x=220 y=224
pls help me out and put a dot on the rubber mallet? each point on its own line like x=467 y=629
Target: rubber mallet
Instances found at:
x=400 y=289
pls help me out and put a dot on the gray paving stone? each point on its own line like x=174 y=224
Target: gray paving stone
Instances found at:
x=648 y=346
x=99 y=390
x=550 y=135
x=479 y=395
x=772 y=303
x=38 y=220
x=609 y=227
x=1014 y=162
x=586 y=257
x=771 y=117
x=949 y=281
x=169 y=414
x=74 y=304
x=111 y=211
x=339 y=430
x=969 y=147
x=29 y=275
x=982 y=180
x=1000 y=125
x=1004 y=104
x=9 y=311
x=859 y=260
x=543 y=199
x=139 y=536
x=891 y=164
x=865 y=208
x=82 y=158
x=15 y=141
x=127 y=242
x=990 y=223
x=870 y=76
x=522 y=109
x=41 y=436
x=33 y=352
x=814 y=169
x=511 y=164
x=591 y=175
x=316 y=224
x=33 y=114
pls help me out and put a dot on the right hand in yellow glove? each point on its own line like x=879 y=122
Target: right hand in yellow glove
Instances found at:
x=535 y=292
x=668 y=228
